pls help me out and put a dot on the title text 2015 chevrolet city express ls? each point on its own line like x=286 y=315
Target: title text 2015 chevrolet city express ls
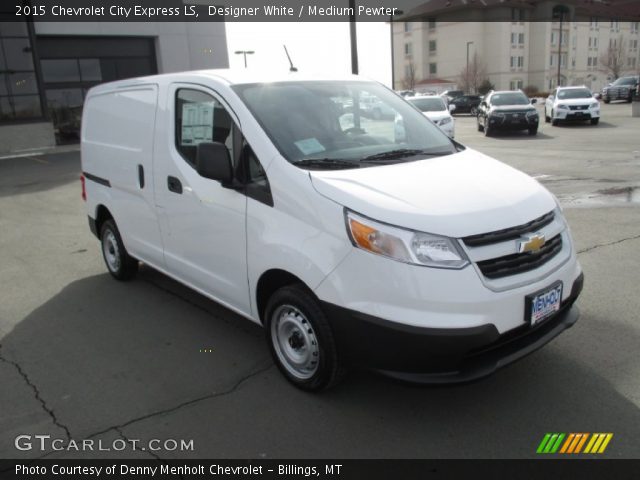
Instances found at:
x=352 y=241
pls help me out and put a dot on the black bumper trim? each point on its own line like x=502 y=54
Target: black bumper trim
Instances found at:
x=436 y=356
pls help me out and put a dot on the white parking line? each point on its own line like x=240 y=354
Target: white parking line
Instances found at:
x=21 y=155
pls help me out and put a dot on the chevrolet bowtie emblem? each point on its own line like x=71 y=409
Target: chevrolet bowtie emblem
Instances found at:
x=531 y=243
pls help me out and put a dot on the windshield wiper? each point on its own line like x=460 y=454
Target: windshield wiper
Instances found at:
x=328 y=163
x=401 y=153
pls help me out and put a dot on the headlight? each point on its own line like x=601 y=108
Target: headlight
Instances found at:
x=532 y=113
x=403 y=245
x=595 y=105
x=562 y=107
x=445 y=120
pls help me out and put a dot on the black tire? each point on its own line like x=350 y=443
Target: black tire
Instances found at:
x=487 y=131
x=630 y=98
x=554 y=121
x=595 y=121
x=480 y=127
x=118 y=261
x=533 y=131
x=546 y=118
x=607 y=100
x=290 y=310
x=474 y=111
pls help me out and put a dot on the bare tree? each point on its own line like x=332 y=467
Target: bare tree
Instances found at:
x=473 y=75
x=409 y=80
x=612 y=60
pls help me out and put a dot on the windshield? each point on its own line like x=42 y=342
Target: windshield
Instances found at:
x=515 y=98
x=435 y=104
x=574 y=93
x=338 y=124
x=625 y=81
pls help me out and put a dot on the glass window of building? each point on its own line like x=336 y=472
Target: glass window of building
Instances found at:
x=19 y=92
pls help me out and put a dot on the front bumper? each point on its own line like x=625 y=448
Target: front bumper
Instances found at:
x=576 y=115
x=441 y=355
x=511 y=122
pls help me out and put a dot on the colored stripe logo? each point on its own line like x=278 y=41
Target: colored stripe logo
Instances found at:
x=574 y=443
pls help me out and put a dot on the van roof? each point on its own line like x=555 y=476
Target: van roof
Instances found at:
x=230 y=76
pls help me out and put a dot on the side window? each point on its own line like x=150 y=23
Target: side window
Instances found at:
x=200 y=118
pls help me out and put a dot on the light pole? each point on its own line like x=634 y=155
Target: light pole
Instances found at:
x=558 y=12
x=467 y=70
x=393 y=66
x=245 y=53
x=354 y=37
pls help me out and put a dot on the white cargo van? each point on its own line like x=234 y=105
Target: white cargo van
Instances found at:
x=352 y=243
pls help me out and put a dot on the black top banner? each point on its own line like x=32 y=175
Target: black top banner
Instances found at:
x=315 y=10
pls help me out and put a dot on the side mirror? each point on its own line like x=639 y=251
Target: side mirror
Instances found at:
x=213 y=161
x=534 y=101
x=452 y=107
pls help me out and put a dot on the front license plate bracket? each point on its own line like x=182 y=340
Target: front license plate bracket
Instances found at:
x=542 y=304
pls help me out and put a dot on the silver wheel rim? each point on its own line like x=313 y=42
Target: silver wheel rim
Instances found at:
x=111 y=251
x=295 y=342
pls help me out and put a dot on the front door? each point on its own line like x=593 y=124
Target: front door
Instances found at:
x=203 y=223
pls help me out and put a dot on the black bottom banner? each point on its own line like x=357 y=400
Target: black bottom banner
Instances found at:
x=600 y=469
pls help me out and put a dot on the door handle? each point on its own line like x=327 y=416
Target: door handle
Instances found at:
x=174 y=185
x=141 y=176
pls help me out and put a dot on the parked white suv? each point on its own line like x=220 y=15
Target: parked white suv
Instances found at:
x=571 y=104
x=435 y=109
x=276 y=198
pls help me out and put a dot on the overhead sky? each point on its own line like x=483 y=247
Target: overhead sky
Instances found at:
x=314 y=47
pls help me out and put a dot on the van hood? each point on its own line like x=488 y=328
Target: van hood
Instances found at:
x=457 y=195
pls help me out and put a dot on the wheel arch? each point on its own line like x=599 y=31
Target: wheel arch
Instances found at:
x=269 y=282
x=102 y=215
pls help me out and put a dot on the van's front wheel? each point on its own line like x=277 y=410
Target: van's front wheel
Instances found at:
x=300 y=339
x=119 y=263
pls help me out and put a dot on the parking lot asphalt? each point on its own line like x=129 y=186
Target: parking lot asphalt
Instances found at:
x=83 y=356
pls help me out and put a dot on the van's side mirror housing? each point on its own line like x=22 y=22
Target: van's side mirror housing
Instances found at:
x=213 y=161
x=534 y=101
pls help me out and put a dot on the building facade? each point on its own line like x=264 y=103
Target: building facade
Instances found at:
x=514 y=53
x=46 y=69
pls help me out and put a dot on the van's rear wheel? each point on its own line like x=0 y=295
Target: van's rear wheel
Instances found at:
x=119 y=263
x=300 y=339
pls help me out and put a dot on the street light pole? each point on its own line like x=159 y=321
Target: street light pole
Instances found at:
x=393 y=63
x=467 y=70
x=559 y=12
x=354 y=37
x=244 y=53
x=560 y=48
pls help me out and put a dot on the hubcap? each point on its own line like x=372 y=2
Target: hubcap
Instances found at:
x=295 y=342
x=111 y=252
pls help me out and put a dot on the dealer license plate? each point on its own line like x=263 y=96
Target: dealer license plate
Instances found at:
x=543 y=304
